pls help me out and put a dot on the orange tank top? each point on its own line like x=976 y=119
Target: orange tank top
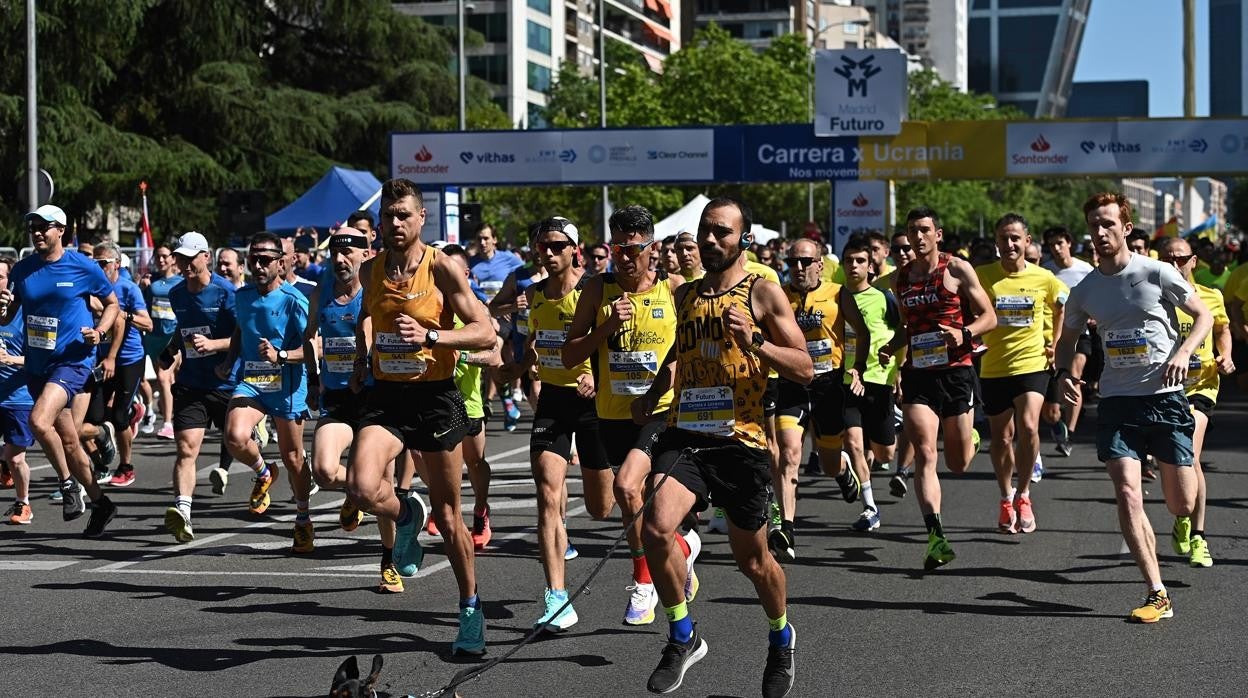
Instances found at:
x=418 y=297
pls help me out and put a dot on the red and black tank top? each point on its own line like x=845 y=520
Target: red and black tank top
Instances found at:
x=925 y=305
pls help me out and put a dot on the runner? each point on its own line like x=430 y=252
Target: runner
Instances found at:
x=938 y=294
x=51 y=288
x=1142 y=410
x=15 y=406
x=156 y=296
x=1070 y=270
x=902 y=253
x=230 y=266
x=290 y=260
x=511 y=306
x=405 y=334
x=715 y=447
x=626 y=322
x=822 y=310
x=267 y=346
x=688 y=256
x=1014 y=371
x=869 y=417
x=1202 y=384
x=203 y=306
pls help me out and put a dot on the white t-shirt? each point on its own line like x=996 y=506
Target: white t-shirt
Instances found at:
x=1134 y=313
x=1072 y=275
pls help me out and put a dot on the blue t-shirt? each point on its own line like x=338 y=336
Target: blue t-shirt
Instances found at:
x=164 y=323
x=210 y=313
x=491 y=273
x=280 y=316
x=312 y=272
x=13 y=392
x=130 y=298
x=309 y=289
x=337 y=322
x=53 y=296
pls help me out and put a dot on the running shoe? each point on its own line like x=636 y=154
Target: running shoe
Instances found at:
x=939 y=552
x=1007 y=517
x=471 y=637
x=101 y=514
x=718 y=523
x=1149 y=473
x=642 y=600
x=407 y=550
x=1156 y=606
x=123 y=476
x=73 y=501
x=558 y=615
x=851 y=486
x=897 y=483
x=261 y=433
x=1061 y=438
x=103 y=476
x=1037 y=470
x=571 y=553
x=166 y=431
x=6 y=476
x=391 y=581
x=259 y=500
x=511 y=415
x=304 y=537
x=431 y=527
x=782 y=543
x=778 y=674
x=349 y=516
x=868 y=520
x=179 y=524
x=219 y=477
x=774 y=518
x=55 y=496
x=881 y=466
x=1026 y=517
x=691 y=577
x=1200 y=552
x=1181 y=535
x=692 y=585
x=676 y=660
x=481 y=531
x=975 y=440
x=148 y=426
x=105 y=445
x=137 y=411
x=20 y=513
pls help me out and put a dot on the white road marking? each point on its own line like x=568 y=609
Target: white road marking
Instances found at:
x=34 y=565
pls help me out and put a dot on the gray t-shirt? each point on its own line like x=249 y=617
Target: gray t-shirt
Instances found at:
x=1134 y=313
x=1072 y=275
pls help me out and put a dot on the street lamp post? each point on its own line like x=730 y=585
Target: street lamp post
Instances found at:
x=461 y=62
x=602 y=102
x=32 y=124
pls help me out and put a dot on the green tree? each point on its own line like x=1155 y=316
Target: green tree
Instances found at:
x=1237 y=206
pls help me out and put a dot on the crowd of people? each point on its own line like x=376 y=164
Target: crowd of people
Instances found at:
x=681 y=376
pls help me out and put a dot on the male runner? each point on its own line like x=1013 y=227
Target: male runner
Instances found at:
x=869 y=417
x=688 y=257
x=511 y=307
x=822 y=310
x=1201 y=386
x=156 y=295
x=731 y=327
x=230 y=266
x=203 y=306
x=268 y=346
x=626 y=322
x=411 y=295
x=1070 y=270
x=290 y=259
x=935 y=292
x=15 y=406
x=51 y=288
x=1014 y=371
x=1142 y=410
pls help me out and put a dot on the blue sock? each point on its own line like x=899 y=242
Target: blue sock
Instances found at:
x=681 y=630
x=470 y=602
x=405 y=513
x=780 y=638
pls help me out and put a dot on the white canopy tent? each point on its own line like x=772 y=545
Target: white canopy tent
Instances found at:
x=688 y=217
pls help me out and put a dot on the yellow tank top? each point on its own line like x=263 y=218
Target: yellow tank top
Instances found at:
x=1202 y=370
x=630 y=358
x=394 y=359
x=719 y=385
x=818 y=315
x=549 y=322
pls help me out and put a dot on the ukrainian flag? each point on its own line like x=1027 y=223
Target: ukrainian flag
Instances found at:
x=1207 y=230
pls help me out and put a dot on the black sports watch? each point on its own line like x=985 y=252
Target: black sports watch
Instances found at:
x=431 y=338
x=282 y=356
x=757 y=340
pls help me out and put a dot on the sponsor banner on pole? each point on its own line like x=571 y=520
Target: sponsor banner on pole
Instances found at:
x=1127 y=148
x=791 y=153
x=938 y=150
x=860 y=92
x=587 y=156
x=857 y=207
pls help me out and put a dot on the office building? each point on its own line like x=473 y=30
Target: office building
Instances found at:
x=1228 y=58
x=1110 y=99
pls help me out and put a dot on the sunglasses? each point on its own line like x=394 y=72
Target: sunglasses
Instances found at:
x=1179 y=259
x=800 y=261
x=105 y=262
x=599 y=257
x=901 y=248
x=630 y=250
x=556 y=247
x=262 y=260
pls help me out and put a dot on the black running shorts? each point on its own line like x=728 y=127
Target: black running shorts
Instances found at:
x=872 y=412
x=718 y=471
x=823 y=402
x=196 y=408
x=999 y=393
x=949 y=392
x=619 y=436
x=561 y=413
x=341 y=407
x=427 y=417
x=771 y=397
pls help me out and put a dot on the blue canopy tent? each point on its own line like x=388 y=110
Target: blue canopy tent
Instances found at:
x=337 y=195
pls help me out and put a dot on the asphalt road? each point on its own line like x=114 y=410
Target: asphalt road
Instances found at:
x=236 y=614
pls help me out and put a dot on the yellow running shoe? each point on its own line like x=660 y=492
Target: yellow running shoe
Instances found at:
x=179 y=524
x=304 y=535
x=1156 y=607
x=1200 y=553
x=939 y=552
x=259 y=502
x=1181 y=535
x=391 y=582
x=349 y=516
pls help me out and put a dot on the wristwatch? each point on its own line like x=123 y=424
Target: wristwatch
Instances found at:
x=757 y=340
x=282 y=356
x=431 y=338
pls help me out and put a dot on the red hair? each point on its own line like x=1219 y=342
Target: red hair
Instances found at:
x=1106 y=198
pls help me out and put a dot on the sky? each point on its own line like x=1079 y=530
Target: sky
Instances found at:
x=1143 y=39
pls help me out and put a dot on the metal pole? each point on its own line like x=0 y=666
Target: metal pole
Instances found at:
x=32 y=125
x=810 y=113
x=602 y=103
x=1189 y=94
x=461 y=64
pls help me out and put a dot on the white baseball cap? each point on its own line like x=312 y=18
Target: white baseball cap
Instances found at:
x=192 y=244
x=49 y=213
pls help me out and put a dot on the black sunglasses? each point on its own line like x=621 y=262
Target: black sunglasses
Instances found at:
x=556 y=247
x=1179 y=259
x=263 y=260
x=800 y=261
x=901 y=248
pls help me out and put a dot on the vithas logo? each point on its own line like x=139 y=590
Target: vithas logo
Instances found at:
x=860 y=200
x=1040 y=145
x=423 y=155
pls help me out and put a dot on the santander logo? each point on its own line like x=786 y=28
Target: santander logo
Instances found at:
x=423 y=155
x=1039 y=154
x=1040 y=145
x=423 y=168
x=860 y=200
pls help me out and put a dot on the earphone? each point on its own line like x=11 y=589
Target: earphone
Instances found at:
x=747 y=239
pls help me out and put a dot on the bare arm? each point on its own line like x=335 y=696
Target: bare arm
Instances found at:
x=477 y=332
x=785 y=347
x=583 y=337
x=1202 y=322
x=142 y=320
x=862 y=335
x=968 y=283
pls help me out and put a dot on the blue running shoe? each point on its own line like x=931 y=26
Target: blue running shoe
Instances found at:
x=868 y=520
x=571 y=553
x=511 y=415
x=471 y=637
x=1037 y=470
x=553 y=619
x=407 y=550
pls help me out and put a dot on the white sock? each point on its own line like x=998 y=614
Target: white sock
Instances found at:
x=258 y=467
x=1009 y=497
x=1159 y=587
x=868 y=496
x=183 y=504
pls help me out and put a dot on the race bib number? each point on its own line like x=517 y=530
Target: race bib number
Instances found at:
x=395 y=356
x=929 y=349
x=522 y=322
x=263 y=376
x=41 y=331
x=339 y=354
x=707 y=410
x=632 y=372
x=1126 y=348
x=820 y=351
x=162 y=310
x=1015 y=311
x=491 y=288
x=188 y=349
x=1194 y=367
x=548 y=344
